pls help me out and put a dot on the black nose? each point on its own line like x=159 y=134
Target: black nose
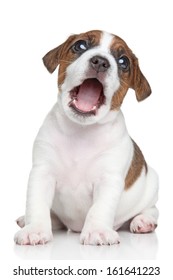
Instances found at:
x=99 y=63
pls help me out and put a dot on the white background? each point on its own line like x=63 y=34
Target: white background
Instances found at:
x=29 y=29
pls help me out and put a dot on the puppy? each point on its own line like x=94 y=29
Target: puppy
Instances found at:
x=88 y=175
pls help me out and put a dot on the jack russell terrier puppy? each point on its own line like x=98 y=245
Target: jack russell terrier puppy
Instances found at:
x=88 y=174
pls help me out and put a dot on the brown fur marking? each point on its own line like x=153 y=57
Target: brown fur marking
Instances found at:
x=138 y=162
x=133 y=78
x=64 y=56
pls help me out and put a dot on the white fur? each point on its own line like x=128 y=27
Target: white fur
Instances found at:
x=79 y=167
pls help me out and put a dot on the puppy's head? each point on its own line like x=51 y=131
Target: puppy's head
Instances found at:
x=95 y=71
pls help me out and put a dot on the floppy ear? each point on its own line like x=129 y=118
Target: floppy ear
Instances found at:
x=53 y=57
x=140 y=83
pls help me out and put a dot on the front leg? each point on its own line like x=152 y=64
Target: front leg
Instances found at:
x=37 y=229
x=98 y=227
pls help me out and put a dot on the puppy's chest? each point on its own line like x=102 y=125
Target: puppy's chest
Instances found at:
x=80 y=168
x=78 y=155
x=77 y=172
x=84 y=156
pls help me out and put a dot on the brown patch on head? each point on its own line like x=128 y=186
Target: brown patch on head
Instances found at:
x=137 y=164
x=64 y=54
x=130 y=76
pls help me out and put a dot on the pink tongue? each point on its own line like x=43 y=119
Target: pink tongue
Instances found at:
x=88 y=94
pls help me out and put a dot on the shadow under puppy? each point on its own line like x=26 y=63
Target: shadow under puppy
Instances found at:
x=88 y=175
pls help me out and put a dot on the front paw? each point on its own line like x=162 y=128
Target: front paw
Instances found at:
x=33 y=235
x=103 y=236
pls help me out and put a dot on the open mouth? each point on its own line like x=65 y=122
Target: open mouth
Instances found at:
x=87 y=98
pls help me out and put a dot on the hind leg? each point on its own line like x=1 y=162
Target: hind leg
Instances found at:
x=56 y=223
x=21 y=221
x=145 y=222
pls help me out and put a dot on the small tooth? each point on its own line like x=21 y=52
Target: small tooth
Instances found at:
x=94 y=110
x=71 y=102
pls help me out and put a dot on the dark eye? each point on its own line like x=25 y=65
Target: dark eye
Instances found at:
x=123 y=63
x=80 y=46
